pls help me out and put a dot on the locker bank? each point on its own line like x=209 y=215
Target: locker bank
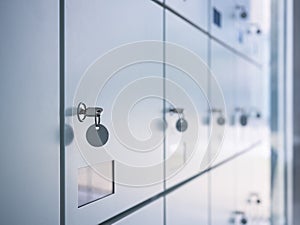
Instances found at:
x=151 y=112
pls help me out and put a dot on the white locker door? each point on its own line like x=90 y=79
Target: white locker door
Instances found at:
x=29 y=92
x=253 y=185
x=92 y=29
x=185 y=149
x=223 y=63
x=148 y=215
x=253 y=30
x=245 y=102
x=253 y=178
x=223 y=193
x=223 y=21
x=189 y=204
x=259 y=104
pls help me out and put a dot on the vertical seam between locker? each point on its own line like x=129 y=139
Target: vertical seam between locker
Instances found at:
x=62 y=108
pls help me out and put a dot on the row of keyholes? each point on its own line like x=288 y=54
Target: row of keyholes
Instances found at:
x=97 y=134
x=243 y=116
x=182 y=124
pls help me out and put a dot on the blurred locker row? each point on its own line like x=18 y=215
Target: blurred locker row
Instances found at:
x=141 y=140
x=228 y=37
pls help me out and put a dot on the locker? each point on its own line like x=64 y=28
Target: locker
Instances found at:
x=253 y=184
x=242 y=16
x=97 y=185
x=250 y=174
x=29 y=92
x=189 y=204
x=223 y=21
x=186 y=149
x=133 y=98
x=240 y=24
x=193 y=10
x=251 y=102
x=223 y=63
x=148 y=215
x=223 y=193
x=253 y=30
x=261 y=99
x=257 y=112
x=243 y=103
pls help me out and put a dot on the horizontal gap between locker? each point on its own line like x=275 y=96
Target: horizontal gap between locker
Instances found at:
x=146 y=202
x=233 y=50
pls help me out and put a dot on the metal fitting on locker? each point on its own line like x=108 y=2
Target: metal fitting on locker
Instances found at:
x=238 y=217
x=181 y=124
x=242 y=11
x=97 y=134
x=243 y=116
x=221 y=118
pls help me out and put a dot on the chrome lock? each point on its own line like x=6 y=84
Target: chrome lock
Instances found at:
x=254 y=198
x=221 y=119
x=243 y=116
x=97 y=134
x=181 y=124
x=242 y=11
x=238 y=217
x=244 y=120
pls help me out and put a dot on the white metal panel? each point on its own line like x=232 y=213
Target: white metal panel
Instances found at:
x=241 y=26
x=226 y=31
x=253 y=184
x=189 y=204
x=30 y=114
x=258 y=105
x=250 y=98
x=186 y=149
x=243 y=102
x=94 y=28
x=223 y=63
x=253 y=31
x=194 y=10
x=223 y=193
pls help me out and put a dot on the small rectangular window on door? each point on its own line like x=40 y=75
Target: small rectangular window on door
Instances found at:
x=95 y=182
